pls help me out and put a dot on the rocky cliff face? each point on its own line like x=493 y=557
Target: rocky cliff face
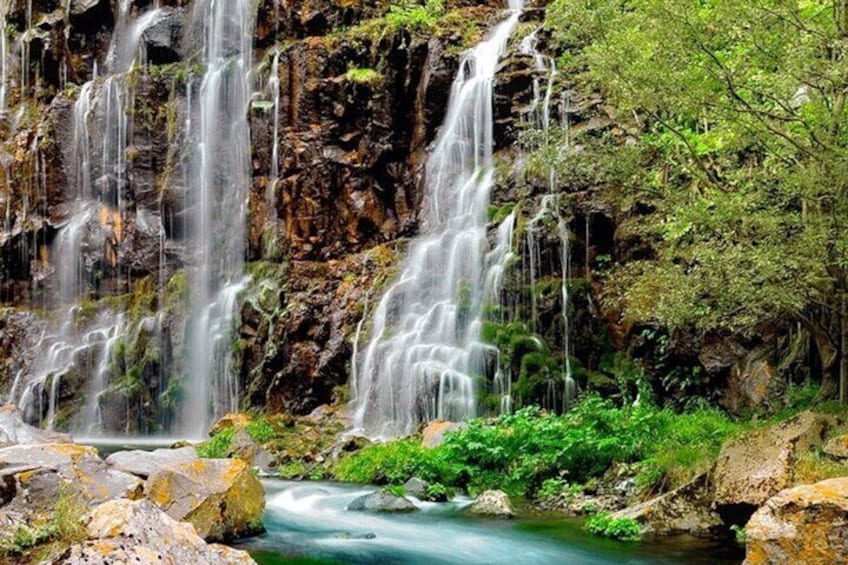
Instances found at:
x=344 y=110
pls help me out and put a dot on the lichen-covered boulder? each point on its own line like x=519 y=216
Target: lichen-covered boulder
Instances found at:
x=382 y=501
x=434 y=433
x=13 y=429
x=753 y=468
x=685 y=510
x=220 y=497
x=837 y=447
x=492 y=503
x=145 y=463
x=137 y=532
x=39 y=474
x=229 y=422
x=806 y=524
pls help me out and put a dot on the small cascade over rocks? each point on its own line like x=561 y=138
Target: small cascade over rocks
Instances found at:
x=426 y=353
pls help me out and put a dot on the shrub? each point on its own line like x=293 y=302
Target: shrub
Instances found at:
x=218 y=446
x=622 y=529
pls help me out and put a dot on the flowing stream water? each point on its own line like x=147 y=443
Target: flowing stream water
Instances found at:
x=309 y=523
x=425 y=351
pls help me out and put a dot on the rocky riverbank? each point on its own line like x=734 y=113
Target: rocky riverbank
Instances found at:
x=61 y=503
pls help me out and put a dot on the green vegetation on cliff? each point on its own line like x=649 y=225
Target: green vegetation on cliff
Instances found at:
x=731 y=165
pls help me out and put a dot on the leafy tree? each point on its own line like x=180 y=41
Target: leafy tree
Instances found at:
x=742 y=105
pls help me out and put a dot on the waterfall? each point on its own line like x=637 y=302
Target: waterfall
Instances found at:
x=95 y=219
x=220 y=173
x=560 y=395
x=425 y=351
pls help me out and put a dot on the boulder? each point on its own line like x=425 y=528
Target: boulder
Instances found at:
x=381 y=501
x=13 y=429
x=145 y=463
x=806 y=524
x=685 y=510
x=492 y=503
x=123 y=531
x=753 y=468
x=244 y=447
x=434 y=433
x=163 y=39
x=221 y=497
x=38 y=474
x=417 y=488
x=837 y=448
x=228 y=422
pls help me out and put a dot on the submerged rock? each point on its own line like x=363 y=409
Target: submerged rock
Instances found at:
x=806 y=524
x=753 y=468
x=381 y=501
x=145 y=463
x=685 y=510
x=220 y=497
x=13 y=430
x=123 y=531
x=492 y=503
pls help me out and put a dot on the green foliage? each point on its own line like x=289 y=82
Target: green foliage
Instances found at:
x=218 y=446
x=740 y=535
x=736 y=159
x=533 y=453
x=412 y=15
x=395 y=490
x=438 y=492
x=622 y=529
x=261 y=430
x=550 y=489
x=64 y=528
x=364 y=76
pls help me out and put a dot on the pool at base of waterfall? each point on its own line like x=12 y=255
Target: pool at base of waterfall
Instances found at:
x=309 y=523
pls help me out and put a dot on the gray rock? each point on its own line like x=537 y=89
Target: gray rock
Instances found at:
x=417 y=488
x=79 y=7
x=685 y=510
x=124 y=531
x=381 y=501
x=38 y=474
x=163 y=39
x=492 y=503
x=13 y=430
x=145 y=463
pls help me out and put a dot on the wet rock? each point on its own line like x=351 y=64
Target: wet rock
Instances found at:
x=417 y=488
x=685 y=510
x=41 y=473
x=13 y=430
x=753 y=468
x=145 y=463
x=806 y=524
x=220 y=497
x=138 y=532
x=382 y=501
x=837 y=447
x=163 y=39
x=434 y=433
x=492 y=503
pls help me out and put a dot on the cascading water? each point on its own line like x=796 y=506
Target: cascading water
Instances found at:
x=221 y=175
x=548 y=216
x=425 y=351
x=96 y=216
